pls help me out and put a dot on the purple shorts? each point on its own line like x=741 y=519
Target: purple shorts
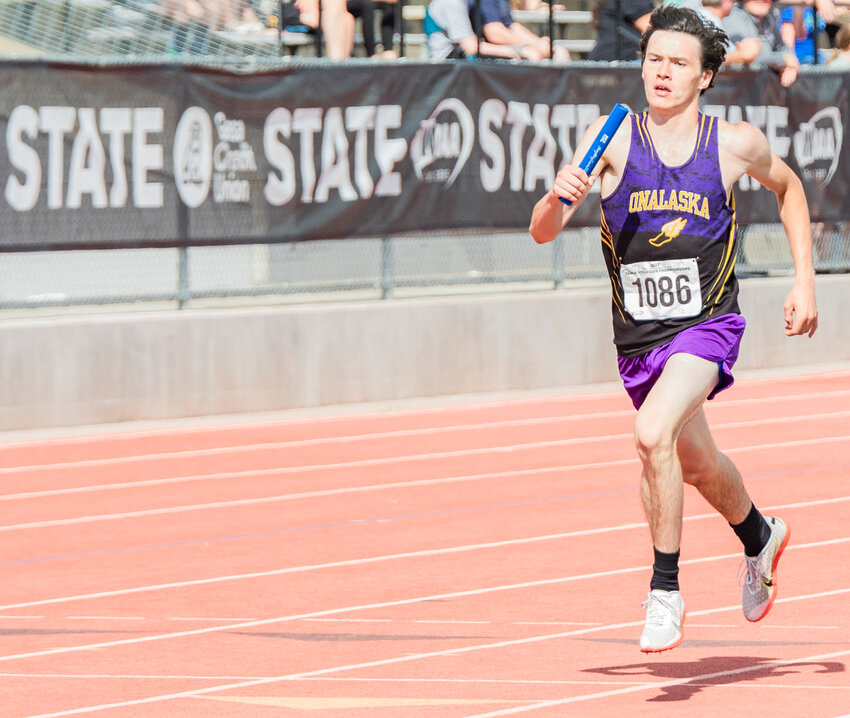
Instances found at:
x=716 y=340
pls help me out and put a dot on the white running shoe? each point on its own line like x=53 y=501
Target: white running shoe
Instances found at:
x=760 y=580
x=665 y=615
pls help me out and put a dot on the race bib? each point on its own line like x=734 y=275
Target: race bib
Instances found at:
x=661 y=289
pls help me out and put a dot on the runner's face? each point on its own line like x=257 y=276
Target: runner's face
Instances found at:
x=672 y=69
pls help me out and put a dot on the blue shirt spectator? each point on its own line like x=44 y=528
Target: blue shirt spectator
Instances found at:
x=450 y=35
x=797 y=24
x=492 y=11
x=499 y=28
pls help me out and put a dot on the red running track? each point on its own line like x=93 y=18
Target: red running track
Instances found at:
x=469 y=560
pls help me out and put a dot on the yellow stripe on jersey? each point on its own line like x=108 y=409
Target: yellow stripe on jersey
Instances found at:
x=699 y=133
x=639 y=125
x=615 y=295
x=708 y=134
x=730 y=246
x=723 y=286
x=608 y=240
x=614 y=276
x=644 y=130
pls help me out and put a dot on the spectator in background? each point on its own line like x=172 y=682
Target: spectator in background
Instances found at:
x=760 y=19
x=337 y=24
x=303 y=15
x=542 y=5
x=365 y=10
x=214 y=14
x=450 y=35
x=499 y=28
x=798 y=27
x=842 y=16
x=742 y=53
x=196 y=20
x=191 y=32
x=619 y=25
x=840 y=59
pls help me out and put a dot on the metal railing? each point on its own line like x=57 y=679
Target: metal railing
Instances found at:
x=354 y=269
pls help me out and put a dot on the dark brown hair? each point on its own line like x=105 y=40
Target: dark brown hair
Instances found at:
x=679 y=19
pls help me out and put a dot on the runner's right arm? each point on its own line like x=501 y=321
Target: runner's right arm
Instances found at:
x=550 y=214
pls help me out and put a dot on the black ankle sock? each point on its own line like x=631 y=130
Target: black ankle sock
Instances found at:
x=753 y=531
x=665 y=571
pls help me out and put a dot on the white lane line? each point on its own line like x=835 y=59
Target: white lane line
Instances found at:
x=317 y=467
x=256 y=473
x=765 y=626
x=384 y=435
x=456 y=681
x=792 y=686
x=385 y=604
x=209 y=618
x=355 y=417
x=444 y=407
x=349 y=620
x=509 y=681
x=414 y=554
x=802 y=628
x=481 y=647
x=214 y=619
x=289 y=497
x=133 y=676
x=423 y=620
x=559 y=623
x=711 y=625
x=665 y=684
x=106 y=618
x=321 y=566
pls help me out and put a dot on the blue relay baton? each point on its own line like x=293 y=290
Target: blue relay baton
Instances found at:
x=609 y=129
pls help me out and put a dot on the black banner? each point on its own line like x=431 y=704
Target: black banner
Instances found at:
x=174 y=156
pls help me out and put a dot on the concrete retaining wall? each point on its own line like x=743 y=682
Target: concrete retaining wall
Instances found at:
x=111 y=368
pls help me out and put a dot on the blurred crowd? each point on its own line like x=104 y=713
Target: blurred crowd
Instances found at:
x=781 y=35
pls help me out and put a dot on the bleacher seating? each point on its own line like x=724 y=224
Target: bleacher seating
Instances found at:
x=573 y=28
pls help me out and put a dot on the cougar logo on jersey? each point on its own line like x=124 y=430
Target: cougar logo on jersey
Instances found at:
x=817 y=145
x=443 y=143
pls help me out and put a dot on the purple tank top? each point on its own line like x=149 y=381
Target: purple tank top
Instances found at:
x=670 y=242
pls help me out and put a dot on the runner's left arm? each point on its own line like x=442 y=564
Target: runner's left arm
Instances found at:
x=765 y=166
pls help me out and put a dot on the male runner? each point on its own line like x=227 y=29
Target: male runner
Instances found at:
x=669 y=238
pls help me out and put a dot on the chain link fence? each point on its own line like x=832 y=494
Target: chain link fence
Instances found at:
x=345 y=270
x=238 y=29
x=138 y=28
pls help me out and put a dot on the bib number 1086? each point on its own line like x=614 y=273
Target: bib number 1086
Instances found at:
x=661 y=290
x=664 y=292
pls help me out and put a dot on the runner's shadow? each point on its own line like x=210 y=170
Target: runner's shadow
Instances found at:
x=712 y=671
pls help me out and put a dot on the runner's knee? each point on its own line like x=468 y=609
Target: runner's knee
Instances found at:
x=652 y=438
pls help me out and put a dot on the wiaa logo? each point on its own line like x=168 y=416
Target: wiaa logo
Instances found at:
x=193 y=166
x=817 y=145
x=443 y=143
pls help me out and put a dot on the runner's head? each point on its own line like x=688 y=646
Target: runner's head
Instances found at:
x=712 y=39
